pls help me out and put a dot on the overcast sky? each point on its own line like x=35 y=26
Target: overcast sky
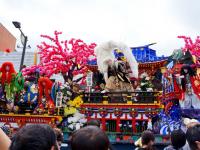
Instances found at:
x=134 y=22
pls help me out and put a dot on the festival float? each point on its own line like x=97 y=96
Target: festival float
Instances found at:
x=128 y=89
x=123 y=104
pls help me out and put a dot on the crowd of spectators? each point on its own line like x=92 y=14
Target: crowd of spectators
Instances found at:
x=91 y=137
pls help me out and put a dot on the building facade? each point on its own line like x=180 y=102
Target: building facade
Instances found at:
x=7 y=40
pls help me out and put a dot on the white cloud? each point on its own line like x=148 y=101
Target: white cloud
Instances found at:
x=134 y=22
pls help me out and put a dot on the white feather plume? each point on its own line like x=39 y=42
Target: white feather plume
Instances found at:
x=106 y=57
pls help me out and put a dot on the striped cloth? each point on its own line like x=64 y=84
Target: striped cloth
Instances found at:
x=167 y=87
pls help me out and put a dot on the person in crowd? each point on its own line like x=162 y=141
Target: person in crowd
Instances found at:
x=89 y=138
x=94 y=122
x=178 y=140
x=138 y=143
x=4 y=140
x=147 y=139
x=34 y=137
x=188 y=123
x=59 y=138
x=193 y=137
x=6 y=130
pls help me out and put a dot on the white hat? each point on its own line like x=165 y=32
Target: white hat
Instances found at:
x=187 y=121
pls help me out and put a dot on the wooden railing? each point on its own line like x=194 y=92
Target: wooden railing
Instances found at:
x=122 y=97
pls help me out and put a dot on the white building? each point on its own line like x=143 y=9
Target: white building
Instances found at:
x=15 y=58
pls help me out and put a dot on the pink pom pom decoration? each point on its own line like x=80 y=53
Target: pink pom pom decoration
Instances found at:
x=193 y=47
x=62 y=56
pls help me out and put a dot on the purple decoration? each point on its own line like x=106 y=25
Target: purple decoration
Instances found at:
x=191 y=113
x=171 y=121
x=175 y=113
